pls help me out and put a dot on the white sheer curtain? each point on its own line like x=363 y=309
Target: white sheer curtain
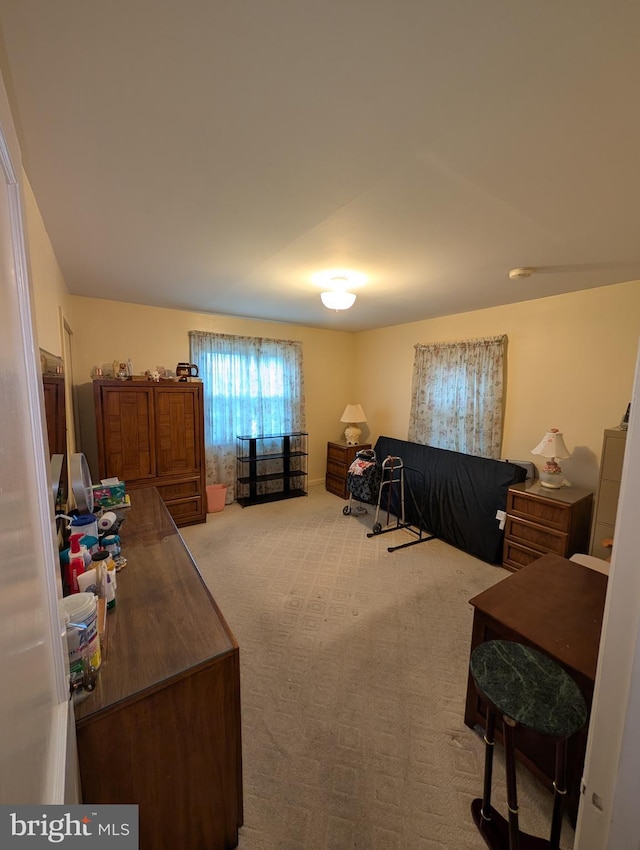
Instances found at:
x=252 y=387
x=457 y=396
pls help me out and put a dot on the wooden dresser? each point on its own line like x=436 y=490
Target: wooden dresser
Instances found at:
x=162 y=728
x=541 y=520
x=152 y=435
x=340 y=456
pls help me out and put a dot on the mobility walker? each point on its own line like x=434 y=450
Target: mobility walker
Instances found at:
x=370 y=482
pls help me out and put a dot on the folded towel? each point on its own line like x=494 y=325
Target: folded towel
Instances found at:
x=359 y=467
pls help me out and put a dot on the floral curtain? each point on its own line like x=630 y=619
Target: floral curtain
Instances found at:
x=457 y=396
x=252 y=387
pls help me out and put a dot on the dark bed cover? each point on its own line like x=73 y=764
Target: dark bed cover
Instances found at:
x=457 y=495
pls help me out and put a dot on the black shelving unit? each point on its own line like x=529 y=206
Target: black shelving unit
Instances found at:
x=271 y=467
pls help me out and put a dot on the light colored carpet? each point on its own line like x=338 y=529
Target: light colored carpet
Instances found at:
x=354 y=669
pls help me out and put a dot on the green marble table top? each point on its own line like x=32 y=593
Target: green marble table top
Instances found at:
x=529 y=687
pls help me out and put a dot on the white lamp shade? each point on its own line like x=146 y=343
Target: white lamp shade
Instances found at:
x=552 y=445
x=338 y=299
x=353 y=413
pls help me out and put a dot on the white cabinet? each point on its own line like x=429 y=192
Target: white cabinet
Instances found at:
x=608 y=490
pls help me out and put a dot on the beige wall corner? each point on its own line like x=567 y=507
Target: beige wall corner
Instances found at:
x=571 y=361
x=155 y=336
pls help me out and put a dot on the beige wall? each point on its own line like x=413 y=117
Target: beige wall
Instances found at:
x=107 y=330
x=571 y=361
x=50 y=293
x=570 y=365
x=153 y=336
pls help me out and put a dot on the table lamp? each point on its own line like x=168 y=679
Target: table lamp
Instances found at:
x=353 y=414
x=551 y=446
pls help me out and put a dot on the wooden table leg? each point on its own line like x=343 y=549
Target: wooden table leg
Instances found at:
x=508 y=726
x=489 y=744
x=559 y=794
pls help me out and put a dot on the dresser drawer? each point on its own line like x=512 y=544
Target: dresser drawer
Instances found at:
x=551 y=514
x=335 y=468
x=613 y=456
x=536 y=536
x=179 y=489
x=515 y=556
x=337 y=485
x=608 y=502
x=186 y=511
x=337 y=453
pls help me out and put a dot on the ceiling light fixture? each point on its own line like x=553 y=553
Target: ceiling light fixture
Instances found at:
x=338 y=298
x=519 y=274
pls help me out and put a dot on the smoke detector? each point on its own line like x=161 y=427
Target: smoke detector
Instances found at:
x=519 y=274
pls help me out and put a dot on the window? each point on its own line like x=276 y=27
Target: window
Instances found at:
x=457 y=396
x=252 y=387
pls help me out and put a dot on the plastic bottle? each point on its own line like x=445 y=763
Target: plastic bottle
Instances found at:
x=109 y=590
x=86 y=523
x=76 y=564
x=88 y=582
x=79 y=538
x=104 y=562
x=111 y=542
x=92 y=544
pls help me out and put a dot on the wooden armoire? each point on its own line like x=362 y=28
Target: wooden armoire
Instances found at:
x=152 y=435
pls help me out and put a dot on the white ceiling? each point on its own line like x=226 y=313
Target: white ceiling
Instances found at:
x=217 y=156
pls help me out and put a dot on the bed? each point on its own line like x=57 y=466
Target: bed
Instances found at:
x=453 y=496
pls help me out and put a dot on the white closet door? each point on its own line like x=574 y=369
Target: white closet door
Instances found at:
x=33 y=695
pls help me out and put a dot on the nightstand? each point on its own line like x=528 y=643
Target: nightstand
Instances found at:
x=340 y=456
x=541 y=520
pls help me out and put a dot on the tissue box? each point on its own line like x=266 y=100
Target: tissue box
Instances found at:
x=109 y=495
